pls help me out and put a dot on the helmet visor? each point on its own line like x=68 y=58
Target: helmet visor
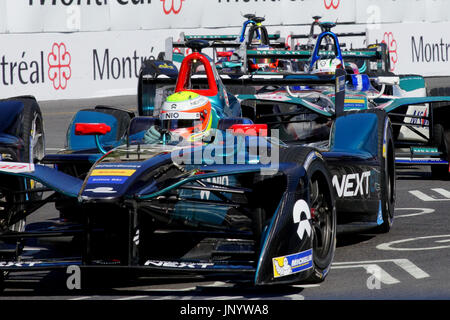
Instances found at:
x=180 y=120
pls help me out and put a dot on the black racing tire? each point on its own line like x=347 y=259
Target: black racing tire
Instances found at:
x=32 y=133
x=441 y=139
x=2 y=281
x=323 y=208
x=386 y=156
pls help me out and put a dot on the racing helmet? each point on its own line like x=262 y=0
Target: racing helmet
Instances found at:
x=326 y=66
x=186 y=114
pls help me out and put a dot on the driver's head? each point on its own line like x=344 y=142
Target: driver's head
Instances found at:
x=187 y=114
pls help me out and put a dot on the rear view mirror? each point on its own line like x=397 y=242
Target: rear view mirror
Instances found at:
x=91 y=129
x=250 y=129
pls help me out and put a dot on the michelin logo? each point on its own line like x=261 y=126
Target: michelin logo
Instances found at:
x=295 y=263
x=352 y=185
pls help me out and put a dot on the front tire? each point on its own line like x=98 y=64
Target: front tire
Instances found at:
x=322 y=205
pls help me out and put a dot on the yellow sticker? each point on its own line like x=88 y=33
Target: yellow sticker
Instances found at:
x=362 y=101
x=113 y=172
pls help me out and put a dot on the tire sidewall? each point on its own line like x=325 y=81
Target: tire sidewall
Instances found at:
x=387 y=175
x=321 y=265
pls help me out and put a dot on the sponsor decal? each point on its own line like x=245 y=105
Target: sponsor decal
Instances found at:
x=11 y=264
x=295 y=263
x=165 y=66
x=16 y=167
x=178 y=265
x=276 y=97
x=6 y=156
x=302 y=215
x=101 y=190
x=390 y=41
x=331 y=4
x=355 y=103
x=380 y=215
x=340 y=84
x=384 y=138
x=116 y=166
x=59 y=71
x=222 y=180
x=311 y=157
x=107 y=180
x=352 y=185
x=113 y=172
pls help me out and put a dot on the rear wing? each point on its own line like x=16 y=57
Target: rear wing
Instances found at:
x=374 y=59
x=339 y=35
x=215 y=42
x=338 y=81
x=231 y=37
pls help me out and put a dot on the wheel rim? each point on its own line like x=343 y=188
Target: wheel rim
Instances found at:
x=322 y=220
x=36 y=140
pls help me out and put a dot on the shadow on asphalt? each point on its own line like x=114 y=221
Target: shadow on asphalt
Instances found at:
x=52 y=285
x=344 y=240
x=417 y=173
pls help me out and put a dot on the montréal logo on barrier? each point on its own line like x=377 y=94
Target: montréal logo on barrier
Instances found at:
x=390 y=41
x=332 y=4
x=172 y=6
x=59 y=70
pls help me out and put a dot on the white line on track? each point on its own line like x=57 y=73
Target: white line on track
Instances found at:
x=444 y=192
x=405 y=264
x=378 y=272
x=388 y=245
x=424 y=197
x=132 y=298
x=442 y=241
x=163 y=298
x=419 y=211
x=224 y=298
x=306 y=286
x=172 y=290
x=81 y=298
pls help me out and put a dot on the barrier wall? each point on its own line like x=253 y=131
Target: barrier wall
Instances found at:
x=18 y=16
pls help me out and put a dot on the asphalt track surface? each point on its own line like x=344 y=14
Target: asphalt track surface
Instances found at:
x=410 y=262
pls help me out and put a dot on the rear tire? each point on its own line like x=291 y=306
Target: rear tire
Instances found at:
x=386 y=155
x=2 y=281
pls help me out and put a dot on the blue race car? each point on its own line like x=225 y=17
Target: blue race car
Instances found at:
x=258 y=198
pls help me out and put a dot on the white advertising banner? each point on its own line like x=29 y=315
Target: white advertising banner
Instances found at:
x=26 y=16
x=416 y=48
x=53 y=66
x=23 y=16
